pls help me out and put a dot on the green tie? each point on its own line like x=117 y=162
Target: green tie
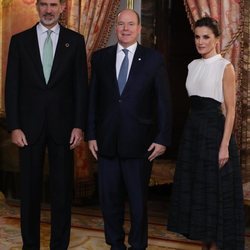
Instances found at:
x=47 y=56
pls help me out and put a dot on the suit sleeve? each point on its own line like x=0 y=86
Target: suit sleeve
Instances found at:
x=163 y=105
x=80 y=86
x=91 y=124
x=12 y=86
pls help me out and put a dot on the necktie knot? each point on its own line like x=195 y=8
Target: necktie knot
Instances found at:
x=125 y=52
x=49 y=33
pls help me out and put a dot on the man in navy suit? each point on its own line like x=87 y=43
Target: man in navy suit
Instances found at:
x=46 y=112
x=128 y=127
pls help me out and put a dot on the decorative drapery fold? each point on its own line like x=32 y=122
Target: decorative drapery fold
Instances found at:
x=228 y=14
x=93 y=19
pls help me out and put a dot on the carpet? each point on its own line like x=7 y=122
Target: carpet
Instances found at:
x=81 y=238
x=87 y=229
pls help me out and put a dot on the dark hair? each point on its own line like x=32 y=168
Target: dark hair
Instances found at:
x=210 y=23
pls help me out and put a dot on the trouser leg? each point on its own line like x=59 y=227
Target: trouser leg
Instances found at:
x=111 y=190
x=31 y=164
x=61 y=187
x=136 y=173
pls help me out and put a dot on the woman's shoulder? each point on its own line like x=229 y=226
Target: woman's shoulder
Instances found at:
x=225 y=61
x=194 y=63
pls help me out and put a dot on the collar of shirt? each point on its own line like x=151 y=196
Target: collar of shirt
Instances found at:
x=131 y=48
x=120 y=56
x=42 y=29
x=41 y=35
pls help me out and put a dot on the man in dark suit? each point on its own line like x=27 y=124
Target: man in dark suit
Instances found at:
x=46 y=90
x=129 y=124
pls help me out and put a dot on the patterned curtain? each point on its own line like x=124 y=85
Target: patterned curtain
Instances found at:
x=94 y=19
x=228 y=13
x=245 y=92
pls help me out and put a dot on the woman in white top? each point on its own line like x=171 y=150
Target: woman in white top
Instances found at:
x=207 y=200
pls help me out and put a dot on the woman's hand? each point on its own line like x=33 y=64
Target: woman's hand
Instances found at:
x=223 y=155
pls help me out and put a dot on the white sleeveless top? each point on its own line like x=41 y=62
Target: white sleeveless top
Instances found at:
x=205 y=77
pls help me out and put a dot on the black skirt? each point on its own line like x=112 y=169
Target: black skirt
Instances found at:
x=207 y=202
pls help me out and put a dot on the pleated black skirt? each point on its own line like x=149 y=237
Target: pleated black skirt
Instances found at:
x=207 y=202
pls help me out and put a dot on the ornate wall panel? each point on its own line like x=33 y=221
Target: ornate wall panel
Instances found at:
x=245 y=92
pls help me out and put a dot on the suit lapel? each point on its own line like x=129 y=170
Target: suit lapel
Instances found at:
x=135 y=67
x=62 y=42
x=111 y=64
x=33 y=49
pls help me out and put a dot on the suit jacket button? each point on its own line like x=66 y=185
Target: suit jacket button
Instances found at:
x=120 y=100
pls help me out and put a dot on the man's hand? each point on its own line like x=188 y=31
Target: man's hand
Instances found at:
x=93 y=148
x=76 y=138
x=158 y=149
x=18 y=138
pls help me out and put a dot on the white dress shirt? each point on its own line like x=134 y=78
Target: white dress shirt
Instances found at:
x=42 y=34
x=120 y=56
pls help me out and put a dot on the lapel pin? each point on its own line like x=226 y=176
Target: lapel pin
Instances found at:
x=67 y=45
x=139 y=59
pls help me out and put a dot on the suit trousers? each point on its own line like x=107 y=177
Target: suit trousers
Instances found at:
x=118 y=178
x=61 y=179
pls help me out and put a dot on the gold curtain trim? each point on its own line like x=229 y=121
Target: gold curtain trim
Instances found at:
x=189 y=15
x=231 y=42
x=239 y=116
x=130 y=4
x=244 y=93
x=237 y=35
x=108 y=24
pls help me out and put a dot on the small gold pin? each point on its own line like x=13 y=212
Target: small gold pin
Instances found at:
x=66 y=45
